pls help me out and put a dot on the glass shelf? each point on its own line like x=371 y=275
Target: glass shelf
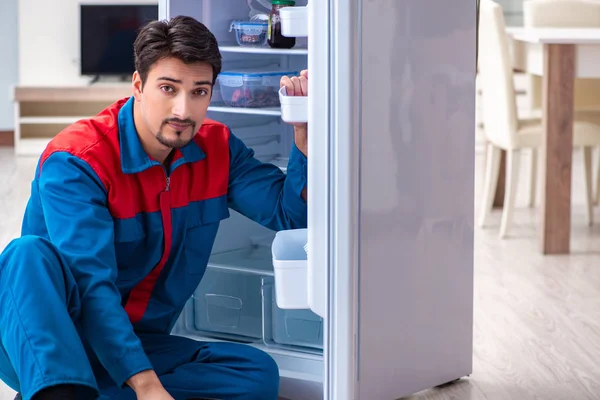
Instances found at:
x=271 y=111
x=263 y=50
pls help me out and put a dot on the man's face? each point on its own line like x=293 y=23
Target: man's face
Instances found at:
x=174 y=100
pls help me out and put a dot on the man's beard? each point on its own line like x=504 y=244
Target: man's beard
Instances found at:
x=178 y=142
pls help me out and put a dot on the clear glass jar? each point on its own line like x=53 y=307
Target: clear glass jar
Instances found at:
x=274 y=37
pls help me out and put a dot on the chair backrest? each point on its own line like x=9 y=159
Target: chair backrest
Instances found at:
x=564 y=14
x=496 y=76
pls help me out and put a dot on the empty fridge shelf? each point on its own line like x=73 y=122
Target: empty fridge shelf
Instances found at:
x=271 y=111
x=255 y=259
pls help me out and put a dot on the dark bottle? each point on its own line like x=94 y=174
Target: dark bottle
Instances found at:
x=274 y=37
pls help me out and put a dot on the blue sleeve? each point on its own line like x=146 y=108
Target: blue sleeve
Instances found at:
x=262 y=192
x=79 y=224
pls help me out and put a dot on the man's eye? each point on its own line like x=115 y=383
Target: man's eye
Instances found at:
x=201 y=92
x=167 y=89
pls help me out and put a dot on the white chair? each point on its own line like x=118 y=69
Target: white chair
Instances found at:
x=503 y=128
x=564 y=14
x=561 y=13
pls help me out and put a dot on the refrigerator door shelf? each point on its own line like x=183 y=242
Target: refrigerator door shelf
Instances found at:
x=293 y=108
x=290 y=269
x=290 y=284
x=294 y=21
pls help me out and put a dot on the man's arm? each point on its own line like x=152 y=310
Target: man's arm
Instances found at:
x=263 y=193
x=301 y=142
x=79 y=224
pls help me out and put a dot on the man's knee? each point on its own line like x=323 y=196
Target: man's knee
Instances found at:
x=33 y=262
x=266 y=386
x=32 y=251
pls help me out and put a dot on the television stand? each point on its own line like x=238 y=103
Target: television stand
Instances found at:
x=41 y=112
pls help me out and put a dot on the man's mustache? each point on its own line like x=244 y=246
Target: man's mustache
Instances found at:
x=179 y=121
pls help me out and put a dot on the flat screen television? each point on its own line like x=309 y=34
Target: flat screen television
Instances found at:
x=107 y=33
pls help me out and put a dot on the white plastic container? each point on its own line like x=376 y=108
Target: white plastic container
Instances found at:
x=252 y=88
x=217 y=99
x=293 y=108
x=289 y=265
x=294 y=21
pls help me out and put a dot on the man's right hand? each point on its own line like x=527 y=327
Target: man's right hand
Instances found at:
x=147 y=386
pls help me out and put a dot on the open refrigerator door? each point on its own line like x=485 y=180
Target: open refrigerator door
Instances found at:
x=313 y=21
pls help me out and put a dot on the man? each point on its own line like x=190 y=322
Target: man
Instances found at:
x=117 y=233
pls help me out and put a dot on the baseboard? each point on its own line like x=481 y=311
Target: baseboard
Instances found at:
x=7 y=139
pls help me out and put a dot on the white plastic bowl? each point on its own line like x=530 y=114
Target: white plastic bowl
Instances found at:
x=293 y=108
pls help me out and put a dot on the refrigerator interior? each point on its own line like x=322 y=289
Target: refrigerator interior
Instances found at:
x=235 y=300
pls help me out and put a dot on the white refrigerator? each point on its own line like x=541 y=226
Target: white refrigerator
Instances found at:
x=380 y=306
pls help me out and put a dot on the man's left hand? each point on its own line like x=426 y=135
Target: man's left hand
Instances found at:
x=298 y=86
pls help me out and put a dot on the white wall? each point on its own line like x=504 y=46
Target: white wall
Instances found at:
x=513 y=11
x=8 y=66
x=49 y=40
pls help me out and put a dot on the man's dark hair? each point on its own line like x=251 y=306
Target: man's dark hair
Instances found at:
x=181 y=37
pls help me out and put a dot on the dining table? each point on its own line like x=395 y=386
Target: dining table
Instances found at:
x=559 y=56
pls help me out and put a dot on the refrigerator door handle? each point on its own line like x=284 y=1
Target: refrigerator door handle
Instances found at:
x=318 y=156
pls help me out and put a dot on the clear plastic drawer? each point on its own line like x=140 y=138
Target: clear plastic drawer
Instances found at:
x=298 y=329
x=228 y=304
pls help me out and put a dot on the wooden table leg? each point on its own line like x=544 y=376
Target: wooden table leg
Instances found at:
x=557 y=150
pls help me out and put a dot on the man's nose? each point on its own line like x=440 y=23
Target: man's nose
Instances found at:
x=180 y=107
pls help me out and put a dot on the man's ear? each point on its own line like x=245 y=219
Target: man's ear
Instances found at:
x=136 y=82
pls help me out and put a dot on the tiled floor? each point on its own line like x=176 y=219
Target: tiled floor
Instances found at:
x=537 y=318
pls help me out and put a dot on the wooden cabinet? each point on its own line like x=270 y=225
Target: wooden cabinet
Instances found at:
x=42 y=112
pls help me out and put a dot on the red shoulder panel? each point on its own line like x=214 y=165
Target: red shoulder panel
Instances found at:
x=96 y=141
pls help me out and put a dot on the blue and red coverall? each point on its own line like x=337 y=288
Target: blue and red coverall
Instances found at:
x=113 y=245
